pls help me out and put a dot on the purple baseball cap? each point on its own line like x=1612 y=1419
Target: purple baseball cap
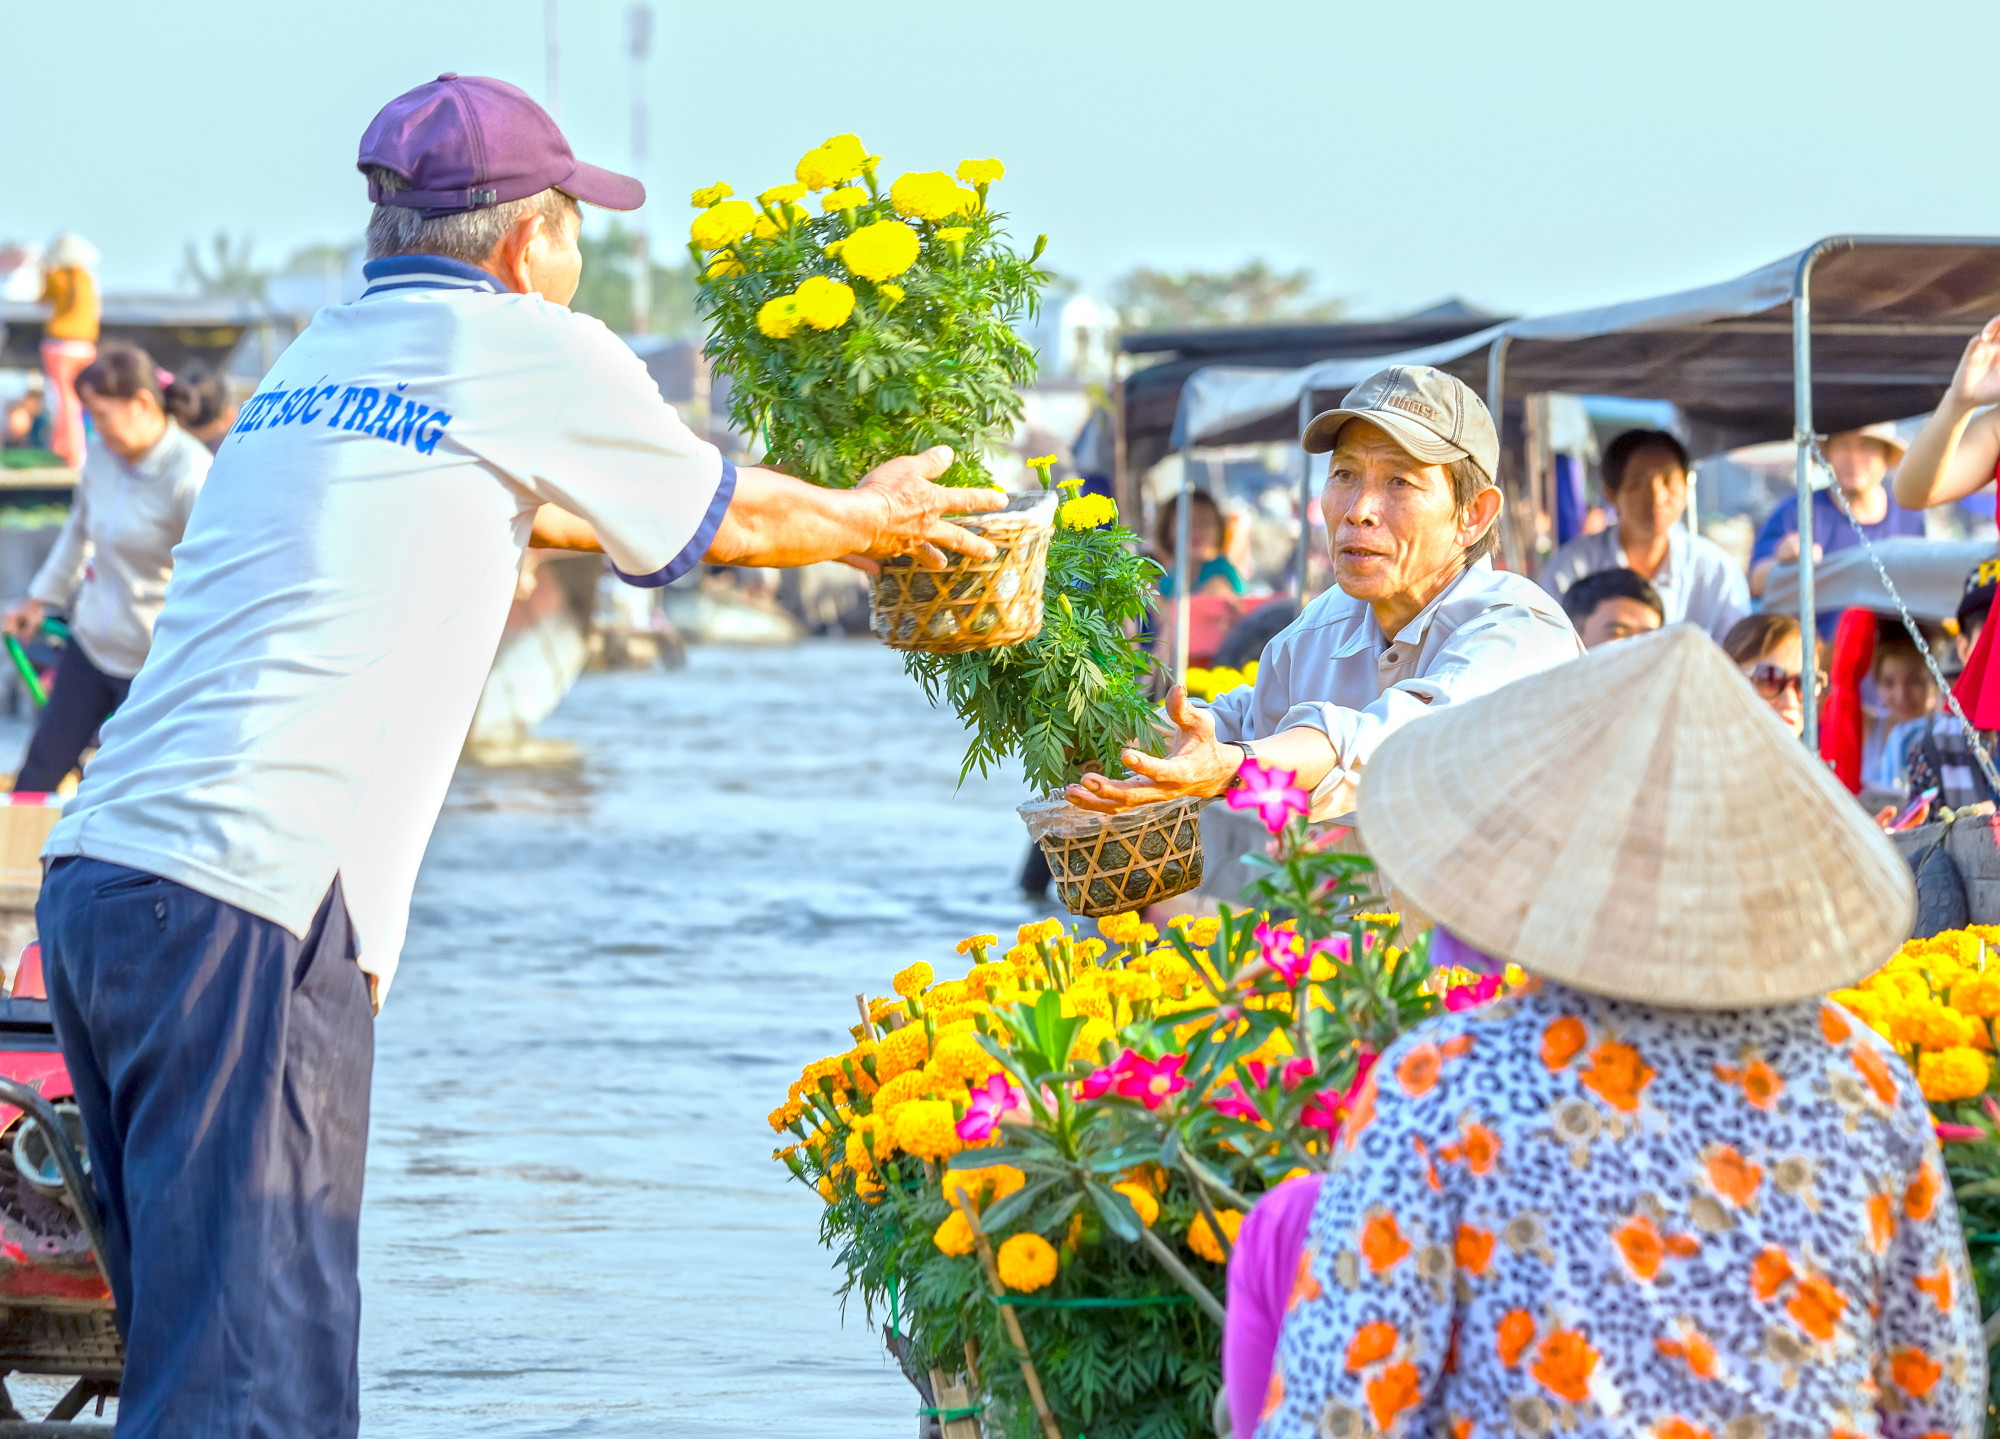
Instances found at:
x=464 y=142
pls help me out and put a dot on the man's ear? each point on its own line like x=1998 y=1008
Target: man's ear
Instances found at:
x=509 y=260
x=1480 y=515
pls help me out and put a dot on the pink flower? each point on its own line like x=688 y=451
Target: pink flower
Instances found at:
x=1285 y=952
x=1112 y=1076
x=1326 y=839
x=1232 y=1103
x=1297 y=1071
x=987 y=1107
x=1271 y=792
x=1323 y=1111
x=1992 y=1109
x=1151 y=1081
x=1467 y=996
x=1959 y=1133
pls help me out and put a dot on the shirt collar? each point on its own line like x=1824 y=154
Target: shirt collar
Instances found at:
x=424 y=272
x=1676 y=548
x=1366 y=636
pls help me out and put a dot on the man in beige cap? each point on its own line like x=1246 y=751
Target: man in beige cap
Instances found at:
x=1665 y=1189
x=1418 y=620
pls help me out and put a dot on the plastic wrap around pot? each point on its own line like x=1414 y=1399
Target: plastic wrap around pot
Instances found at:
x=1109 y=863
x=971 y=604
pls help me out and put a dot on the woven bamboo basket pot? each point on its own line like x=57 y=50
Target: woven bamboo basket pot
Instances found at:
x=1107 y=864
x=970 y=604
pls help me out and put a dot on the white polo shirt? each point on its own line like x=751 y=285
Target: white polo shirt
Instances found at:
x=338 y=598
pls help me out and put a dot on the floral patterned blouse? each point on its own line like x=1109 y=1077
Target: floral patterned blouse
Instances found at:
x=1563 y=1215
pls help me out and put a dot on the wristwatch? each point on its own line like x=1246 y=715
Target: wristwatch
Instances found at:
x=1236 y=780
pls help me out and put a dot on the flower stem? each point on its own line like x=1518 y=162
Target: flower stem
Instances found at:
x=1184 y=1276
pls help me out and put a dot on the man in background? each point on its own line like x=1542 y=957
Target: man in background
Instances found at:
x=1613 y=605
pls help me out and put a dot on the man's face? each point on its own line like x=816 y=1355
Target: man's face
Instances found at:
x=1617 y=618
x=1652 y=495
x=555 y=263
x=1392 y=523
x=1859 y=462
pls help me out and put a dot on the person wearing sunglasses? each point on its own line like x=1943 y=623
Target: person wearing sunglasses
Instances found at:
x=1766 y=648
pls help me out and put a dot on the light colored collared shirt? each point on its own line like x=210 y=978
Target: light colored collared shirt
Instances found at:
x=111 y=563
x=1697 y=581
x=1333 y=669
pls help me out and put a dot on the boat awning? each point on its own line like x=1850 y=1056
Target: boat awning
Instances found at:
x=1891 y=315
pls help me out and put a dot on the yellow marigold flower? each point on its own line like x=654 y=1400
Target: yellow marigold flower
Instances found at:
x=1127 y=928
x=983 y=1186
x=1956 y=1073
x=823 y=303
x=847 y=197
x=710 y=195
x=1039 y=931
x=880 y=251
x=1089 y=1041
x=1250 y=671
x=977 y=941
x=900 y=1090
x=1200 y=932
x=927 y=1128
x=959 y=1059
x=954 y=1236
x=1026 y=1262
x=1087 y=512
x=893 y=293
x=779 y=318
x=825 y=1187
x=1932 y=1026
x=1134 y=986
x=1977 y=995
x=767 y=228
x=914 y=980
x=981 y=172
x=785 y=1113
x=926 y=195
x=839 y=157
x=718 y=225
x=953 y=234
x=900 y=1051
x=1142 y=1200
x=781 y=195
x=723 y=267
x=1201 y=1239
x=1088 y=950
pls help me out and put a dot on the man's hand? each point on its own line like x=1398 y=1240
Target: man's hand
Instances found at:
x=909 y=510
x=557 y=529
x=1977 y=379
x=24 y=621
x=1199 y=765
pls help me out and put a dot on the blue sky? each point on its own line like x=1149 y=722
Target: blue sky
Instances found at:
x=1528 y=156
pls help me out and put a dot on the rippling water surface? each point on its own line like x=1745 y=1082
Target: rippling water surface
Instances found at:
x=616 y=964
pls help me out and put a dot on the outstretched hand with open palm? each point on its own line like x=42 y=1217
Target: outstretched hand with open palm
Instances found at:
x=1977 y=379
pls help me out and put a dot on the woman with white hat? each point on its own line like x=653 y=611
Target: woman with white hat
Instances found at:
x=1861 y=461
x=1667 y=1189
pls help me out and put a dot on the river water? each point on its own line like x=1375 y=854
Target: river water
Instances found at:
x=617 y=961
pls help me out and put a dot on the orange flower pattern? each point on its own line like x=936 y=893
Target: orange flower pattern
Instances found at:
x=1605 y=1219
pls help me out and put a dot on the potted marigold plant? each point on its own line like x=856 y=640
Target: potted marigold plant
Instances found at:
x=1036 y=1172
x=881 y=326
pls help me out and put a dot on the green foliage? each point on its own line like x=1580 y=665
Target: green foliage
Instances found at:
x=1076 y=695
x=229 y=269
x=606 y=288
x=1251 y=294
x=941 y=365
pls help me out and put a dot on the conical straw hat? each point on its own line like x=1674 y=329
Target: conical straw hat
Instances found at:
x=1637 y=823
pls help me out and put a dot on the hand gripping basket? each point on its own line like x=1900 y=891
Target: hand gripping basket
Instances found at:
x=971 y=604
x=1109 y=863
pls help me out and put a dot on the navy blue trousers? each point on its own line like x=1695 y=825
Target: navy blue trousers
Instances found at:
x=222 y=1067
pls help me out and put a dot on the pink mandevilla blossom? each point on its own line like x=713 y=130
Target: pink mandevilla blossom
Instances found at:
x=1468 y=996
x=1232 y=1103
x=1323 y=1111
x=1959 y=1133
x=1285 y=952
x=1152 y=1081
x=987 y=1107
x=1297 y=1071
x=1112 y=1076
x=1271 y=792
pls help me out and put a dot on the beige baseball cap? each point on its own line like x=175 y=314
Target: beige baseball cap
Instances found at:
x=1434 y=416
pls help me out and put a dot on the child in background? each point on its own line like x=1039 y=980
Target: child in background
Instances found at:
x=1908 y=696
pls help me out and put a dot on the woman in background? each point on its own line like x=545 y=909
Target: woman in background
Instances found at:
x=1766 y=648
x=69 y=339
x=1213 y=572
x=110 y=566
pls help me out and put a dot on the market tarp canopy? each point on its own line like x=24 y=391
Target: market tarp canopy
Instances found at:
x=1891 y=315
x=1929 y=575
x=173 y=329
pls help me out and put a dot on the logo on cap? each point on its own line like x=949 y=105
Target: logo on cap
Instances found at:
x=1411 y=403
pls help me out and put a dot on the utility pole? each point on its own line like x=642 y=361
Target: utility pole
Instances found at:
x=639 y=44
x=552 y=47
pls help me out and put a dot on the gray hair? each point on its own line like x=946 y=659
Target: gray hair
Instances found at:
x=468 y=236
x=1467 y=480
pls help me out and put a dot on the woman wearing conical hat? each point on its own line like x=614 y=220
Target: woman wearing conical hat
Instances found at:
x=1667 y=1189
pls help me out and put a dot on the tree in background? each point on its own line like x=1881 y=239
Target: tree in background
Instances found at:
x=229 y=271
x=1251 y=294
x=606 y=291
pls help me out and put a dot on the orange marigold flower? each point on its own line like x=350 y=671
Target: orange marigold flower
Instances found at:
x=1382 y=1243
x=1768 y=1273
x=1937 y=1285
x=1473 y=1250
x=1562 y=1041
x=1398 y=1388
x=1913 y=1372
x=1833 y=1024
x=1875 y=1069
x=1563 y=1365
x=1638 y=1241
x=1371 y=1343
x=1817 y=1307
x=1616 y=1075
x=1734 y=1178
x=1515 y=1333
x=1921 y=1197
x=1418 y=1071
x=1881 y=1222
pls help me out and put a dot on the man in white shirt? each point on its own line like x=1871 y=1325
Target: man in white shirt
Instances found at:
x=253 y=822
x=1419 y=617
x=1646 y=474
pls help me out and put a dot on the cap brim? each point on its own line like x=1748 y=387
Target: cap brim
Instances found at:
x=606 y=189
x=1422 y=443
